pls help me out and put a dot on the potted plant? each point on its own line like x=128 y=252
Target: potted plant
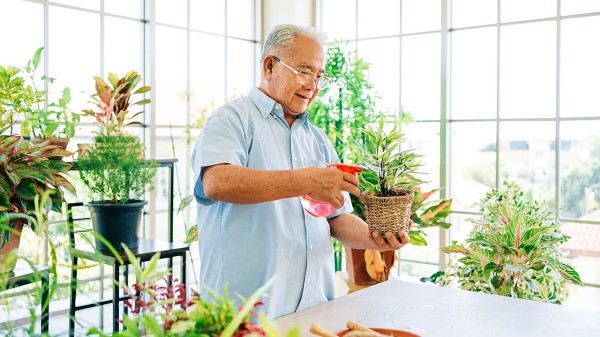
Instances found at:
x=513 y=250
x=116 y=179
x=388 y=179
x=26 y=170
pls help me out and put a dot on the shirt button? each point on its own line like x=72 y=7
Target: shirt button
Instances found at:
x=277 y=107
x=295 y=159
x=310 y=247
x=308 y=280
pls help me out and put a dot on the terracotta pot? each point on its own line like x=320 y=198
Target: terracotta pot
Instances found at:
x=7 y=262
x=357 y=267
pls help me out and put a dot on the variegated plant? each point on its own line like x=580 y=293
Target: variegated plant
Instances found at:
x=513 y=250
x=113 y=99
x=26 y=170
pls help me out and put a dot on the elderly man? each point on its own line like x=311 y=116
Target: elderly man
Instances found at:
x=253 y=160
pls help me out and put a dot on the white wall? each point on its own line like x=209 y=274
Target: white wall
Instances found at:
x=298 y=12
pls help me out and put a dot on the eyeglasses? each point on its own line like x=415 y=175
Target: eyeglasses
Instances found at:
x=307 y=78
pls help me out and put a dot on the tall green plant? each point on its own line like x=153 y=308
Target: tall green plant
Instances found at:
x=513 y=250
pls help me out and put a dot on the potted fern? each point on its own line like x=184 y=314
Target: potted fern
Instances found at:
x=389 y=176
x=513 y=250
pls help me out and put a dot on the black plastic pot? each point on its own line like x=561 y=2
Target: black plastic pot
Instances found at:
x=117 y=223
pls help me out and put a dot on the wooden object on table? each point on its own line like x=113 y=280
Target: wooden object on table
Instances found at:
x=432 y=311
x=319 y=331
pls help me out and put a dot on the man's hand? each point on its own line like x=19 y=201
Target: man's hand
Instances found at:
x=391 y=241
x=327 y=184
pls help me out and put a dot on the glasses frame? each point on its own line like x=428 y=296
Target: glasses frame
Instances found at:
x=321 y=82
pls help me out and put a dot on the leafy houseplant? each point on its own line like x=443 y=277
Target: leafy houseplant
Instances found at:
x=388 y=177
x=27 y=171
x=117 y=179
x=513 y=250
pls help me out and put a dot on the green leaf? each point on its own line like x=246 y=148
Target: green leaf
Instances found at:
x=36 y=57
x=185 y=202
x=27 y=190
x=416 y=238
x=192 y=234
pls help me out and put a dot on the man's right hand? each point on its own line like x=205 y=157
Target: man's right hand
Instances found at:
x=327 y=184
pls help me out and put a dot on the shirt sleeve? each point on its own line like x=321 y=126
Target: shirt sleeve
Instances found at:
x=222 y=141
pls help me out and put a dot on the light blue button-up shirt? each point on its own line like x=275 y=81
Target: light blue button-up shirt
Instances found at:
x=244 y=245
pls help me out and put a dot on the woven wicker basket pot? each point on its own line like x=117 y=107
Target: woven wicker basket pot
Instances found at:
x=388 y=214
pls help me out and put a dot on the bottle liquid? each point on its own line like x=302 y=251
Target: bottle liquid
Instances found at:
x=320 y=208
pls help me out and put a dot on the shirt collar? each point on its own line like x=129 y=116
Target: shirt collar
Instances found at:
x=266 y=105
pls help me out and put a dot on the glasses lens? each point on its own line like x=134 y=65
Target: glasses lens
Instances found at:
x=323 y=82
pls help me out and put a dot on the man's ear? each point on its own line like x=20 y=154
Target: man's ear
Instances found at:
x=267 y=68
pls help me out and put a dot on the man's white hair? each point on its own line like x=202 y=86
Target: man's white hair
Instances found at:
x=282 y=38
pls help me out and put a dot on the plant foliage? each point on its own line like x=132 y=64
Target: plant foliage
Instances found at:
x=386 y=168
x=513 y=250
x=160 y=309
x=112 y=169
x=27 y=171
x=113 y=99
x=23 y=100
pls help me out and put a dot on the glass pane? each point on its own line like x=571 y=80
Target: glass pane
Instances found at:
x=473 y=12
x=28 y=37
x=420 y=87
x=528 y=70
x=429 y=253
x=424 y=138
x=580 y=69
x=472 y=163
x=240 y=18
x=339 y=19
x=207 y=73
x=527 y=157
x=473 y=74
x=208 y=16
x=460 y=226
x=580 y=170
x=241 y=67
x=131 y=8
x=74 y=67
x=122 y=55
x=411 y=271
x=173 y=12
x=90 y=4
x=171 y=73
x=571 y=7
x=583 y=250
x=372 y=11
x=516 y=10
x=385 y=69
x=420 y=16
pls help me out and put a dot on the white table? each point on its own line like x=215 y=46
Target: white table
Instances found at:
x=429 y=310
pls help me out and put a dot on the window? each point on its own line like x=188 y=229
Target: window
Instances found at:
x=194 y=55
x=504 y=89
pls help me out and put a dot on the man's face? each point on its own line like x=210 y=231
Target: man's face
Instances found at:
x=282 y=86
